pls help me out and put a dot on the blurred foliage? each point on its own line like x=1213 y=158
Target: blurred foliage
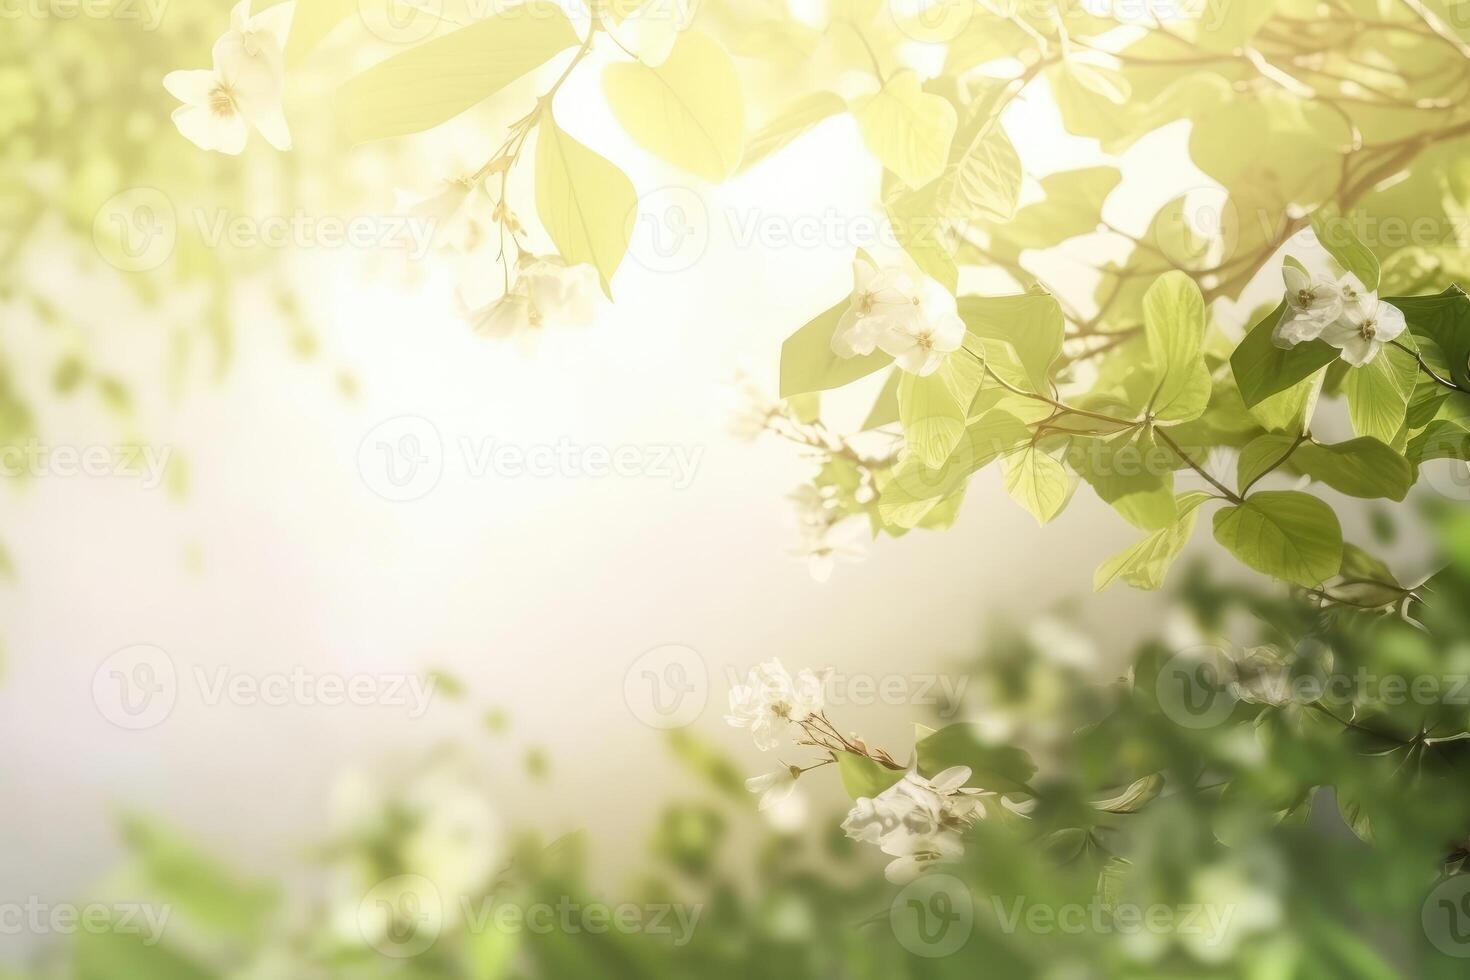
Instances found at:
x=1252 y=827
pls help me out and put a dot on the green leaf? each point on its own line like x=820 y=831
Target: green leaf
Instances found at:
x=1174 y=323
x=689 y=111
x=908 y=130
x=128 y=956
x=916 y=223
x=933 y=419
x=909 y=491
x=1259 y=457
x=1378 y=393
x=433 y=82
x=808 y=362
x=1145 y=564
x=1038 y=482
x=312 y=21
x=1362 y=467
x=1138 y=795
x=1286 y=534
x=1134 y=477
x=587 y=204
x=999 y=768
x=1030 y=322
x=1445 y=320
x=1262 y=369
x=885 y=408
x=862 y=776
x=1337 y=236
x=798 y=117
x=213 y=897
x=985 y=181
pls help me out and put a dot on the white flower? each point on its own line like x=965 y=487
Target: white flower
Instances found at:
x=821 y=547
x=916 y=820
x=919 y=345
x=773 y=787
x=217 y=107
x=1312 y=302
x=882 y=300
x=813 y=511
x=1366 y=324
x=255 y=47
x=772 y=704
x=545 y=290
x=753 y=407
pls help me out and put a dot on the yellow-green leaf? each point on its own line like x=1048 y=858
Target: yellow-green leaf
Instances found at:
x=1174 y=323
x=1038 y=482
x=908 y=130
x=1145 y=564
x=436 y=81
x=586 y=203
x=798 y=117
x=1285 y=534
x=688 y=111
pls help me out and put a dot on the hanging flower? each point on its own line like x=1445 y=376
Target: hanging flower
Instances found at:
x=1366 y=324
x=1312 y=302
x=753 y=407
x=919 y=345
x=918 y=821
x=546 y=290
x=244 y=87
x=773 y=787
x=772 y=704
x=882 y=300
x=221 y=105
x=822 y=546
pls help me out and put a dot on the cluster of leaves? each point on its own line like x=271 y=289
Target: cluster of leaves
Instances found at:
x=1292 y=113
x=1263 y=818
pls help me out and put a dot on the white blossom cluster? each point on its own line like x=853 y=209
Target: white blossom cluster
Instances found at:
x=1339 y=310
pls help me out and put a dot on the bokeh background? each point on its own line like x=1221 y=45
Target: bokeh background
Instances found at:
x=276 y=380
